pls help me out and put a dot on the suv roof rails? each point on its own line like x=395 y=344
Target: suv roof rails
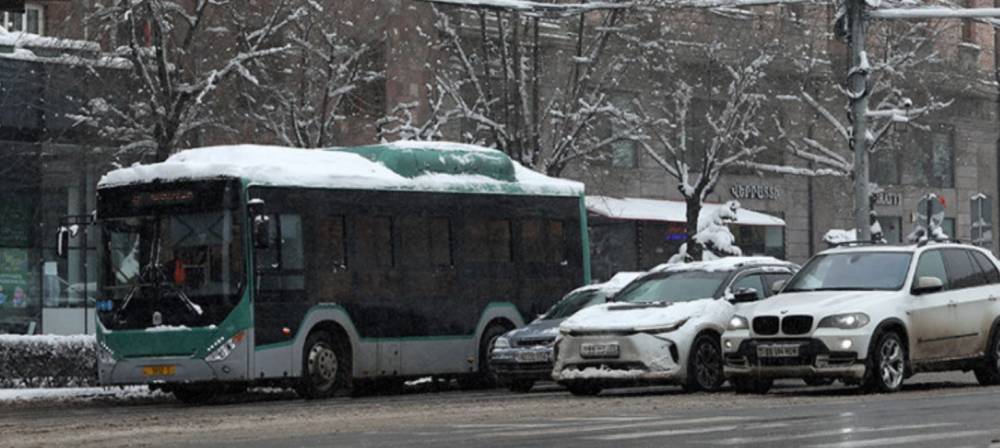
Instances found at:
x=857 y=243
x=924 y=242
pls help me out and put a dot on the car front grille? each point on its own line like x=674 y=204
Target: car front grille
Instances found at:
x=765 y=325
x=794 y=325
x=531 y=342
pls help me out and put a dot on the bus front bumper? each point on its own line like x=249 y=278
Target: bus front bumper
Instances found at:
x=173 y=369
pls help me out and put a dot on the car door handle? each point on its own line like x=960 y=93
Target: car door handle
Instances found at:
x=952 y=304
x=992 y=298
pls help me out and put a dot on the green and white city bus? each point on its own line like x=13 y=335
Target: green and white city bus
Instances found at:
x=231 y=266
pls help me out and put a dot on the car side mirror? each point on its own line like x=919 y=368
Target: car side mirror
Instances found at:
x=927 y=285
x=744 y=295
x=777 y=286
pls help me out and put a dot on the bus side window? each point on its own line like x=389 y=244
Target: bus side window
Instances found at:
x=531 y=241
x=375 y=241
x=415 y=242
x=557 y=242
x=440 y=233
x=333 y=243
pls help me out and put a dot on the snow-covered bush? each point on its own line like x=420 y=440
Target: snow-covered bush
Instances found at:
x=47 y=361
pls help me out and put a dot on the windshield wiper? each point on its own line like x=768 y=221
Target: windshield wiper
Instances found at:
x=153 y=270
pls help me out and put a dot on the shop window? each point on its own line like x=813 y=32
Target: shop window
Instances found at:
x=884 y=165
x=948 y=226
x=374 y=241
x=891 y=228
x=931 y=162
x=761 y=240
x=32 y=20
x=982 y=220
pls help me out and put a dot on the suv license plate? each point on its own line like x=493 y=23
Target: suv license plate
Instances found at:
x=532 y=357
x=777 y=351
x=599 y=350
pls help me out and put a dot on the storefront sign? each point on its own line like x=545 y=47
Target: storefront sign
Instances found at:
x=748 y=191
x=890 y=199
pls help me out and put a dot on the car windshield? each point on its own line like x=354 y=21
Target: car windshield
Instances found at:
x=679 y=286
x=852 y=271
x=574 y=302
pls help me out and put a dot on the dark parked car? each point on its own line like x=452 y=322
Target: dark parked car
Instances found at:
x=524 y=355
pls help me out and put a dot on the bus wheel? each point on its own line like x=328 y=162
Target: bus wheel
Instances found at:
x=326 y=367
x=484 y=378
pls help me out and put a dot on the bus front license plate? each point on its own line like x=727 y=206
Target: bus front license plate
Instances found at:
x=777 y=351
x=609 y=350
x=159 y=370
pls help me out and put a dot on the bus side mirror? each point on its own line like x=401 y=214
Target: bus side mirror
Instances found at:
x=62 y=242
x=261 y=231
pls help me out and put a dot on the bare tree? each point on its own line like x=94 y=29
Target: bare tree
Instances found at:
x=503 y=80
x=180 y=55
x=335 y=55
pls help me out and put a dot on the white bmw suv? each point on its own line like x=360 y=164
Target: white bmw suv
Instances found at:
x=873 y=315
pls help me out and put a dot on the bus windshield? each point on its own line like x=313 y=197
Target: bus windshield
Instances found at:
x=178 y=269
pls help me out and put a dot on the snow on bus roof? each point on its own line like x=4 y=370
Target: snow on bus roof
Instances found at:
x=670 y=211
x=381 y=167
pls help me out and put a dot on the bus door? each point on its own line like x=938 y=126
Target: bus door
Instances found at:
x=280 y=300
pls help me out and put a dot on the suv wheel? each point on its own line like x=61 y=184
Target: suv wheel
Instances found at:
x=886 y=364
x=989 y=373
x=759 y=386
x=705 y=365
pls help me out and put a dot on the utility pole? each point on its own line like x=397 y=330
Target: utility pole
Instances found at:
x=857 y=79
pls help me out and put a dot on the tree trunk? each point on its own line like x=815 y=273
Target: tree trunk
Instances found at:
x=694 y=249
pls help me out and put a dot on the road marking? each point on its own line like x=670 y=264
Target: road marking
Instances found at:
x=902 y=439
x=834 y=432
x=677 y=432
x=578 y=429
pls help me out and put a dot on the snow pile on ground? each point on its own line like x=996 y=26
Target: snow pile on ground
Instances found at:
x=77 y=393
x=48 y=361
x=318 y=168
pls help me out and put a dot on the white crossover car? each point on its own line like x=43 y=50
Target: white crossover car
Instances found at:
x=873 y=315
x=664 y=327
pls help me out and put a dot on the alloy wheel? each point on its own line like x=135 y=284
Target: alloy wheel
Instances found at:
x=323 y=364
x=892 y=363
x=707 y=363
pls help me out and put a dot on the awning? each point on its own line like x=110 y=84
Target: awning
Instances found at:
x=637 y=209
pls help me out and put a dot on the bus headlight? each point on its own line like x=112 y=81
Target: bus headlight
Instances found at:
x=104 y=354
x=224 y=350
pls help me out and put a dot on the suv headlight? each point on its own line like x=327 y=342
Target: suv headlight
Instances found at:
x=848 y=321
x=738 y=322
x=660 y=328
x=501 y=342
x=226 y=349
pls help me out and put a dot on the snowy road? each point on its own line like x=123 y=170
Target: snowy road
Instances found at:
x=933 y=411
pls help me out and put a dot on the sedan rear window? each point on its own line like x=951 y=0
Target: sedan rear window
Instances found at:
x=853 y=271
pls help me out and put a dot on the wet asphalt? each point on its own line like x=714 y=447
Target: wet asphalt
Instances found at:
x=941 y=410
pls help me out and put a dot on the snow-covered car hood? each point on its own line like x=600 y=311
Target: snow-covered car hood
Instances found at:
x=539 y=329
x=821 y=303
x=626 y=316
